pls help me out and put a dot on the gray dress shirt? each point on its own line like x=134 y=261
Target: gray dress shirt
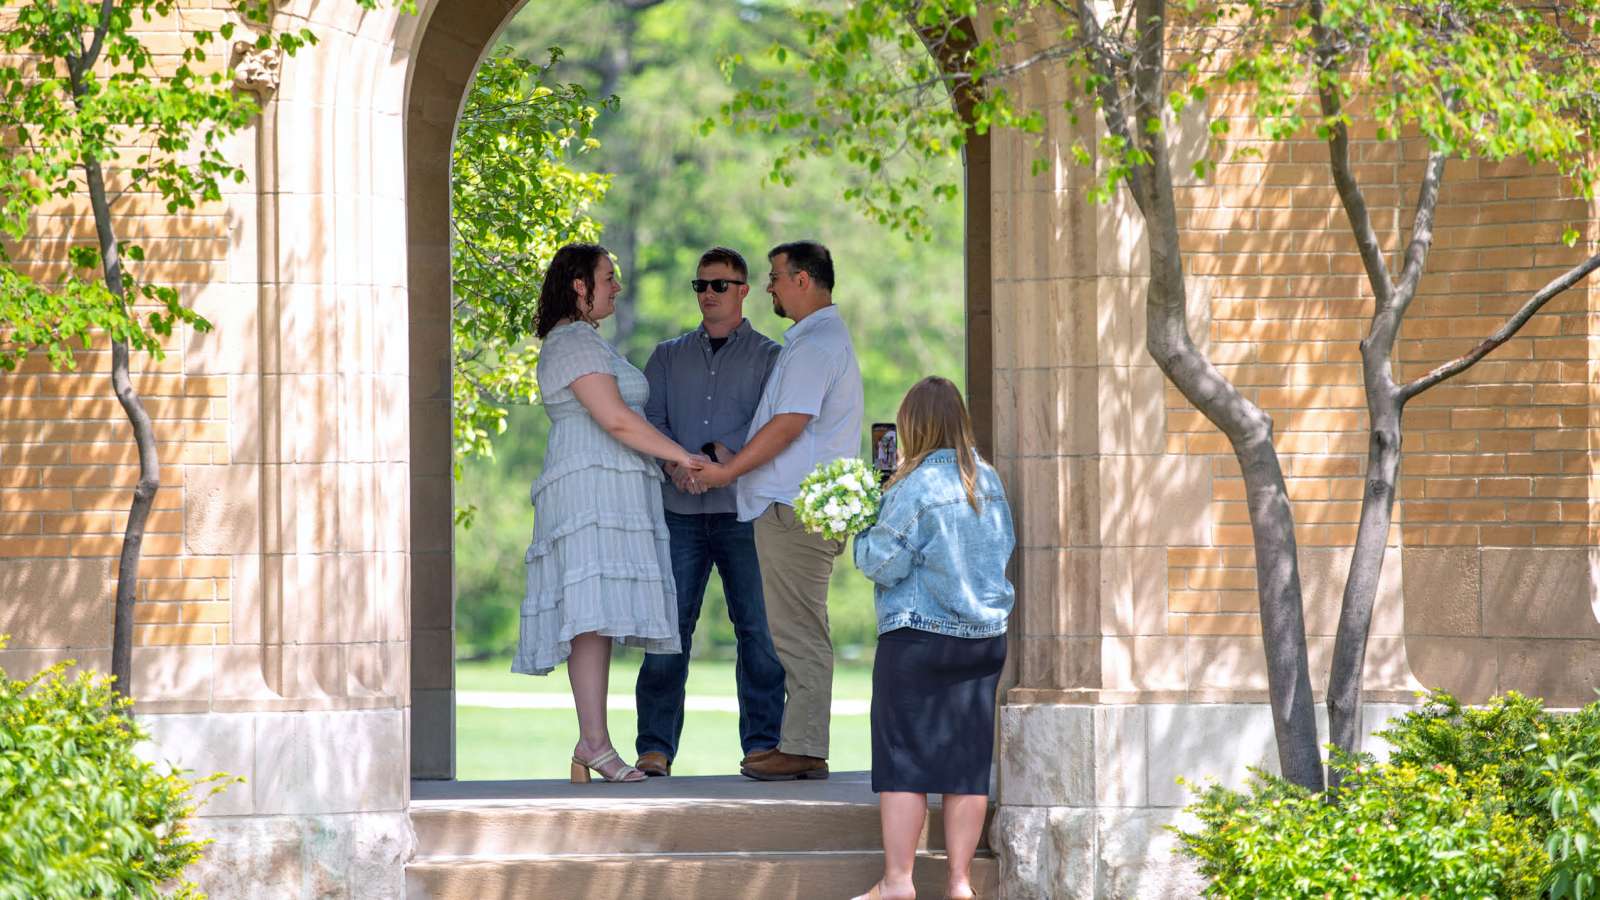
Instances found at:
x=699 y=397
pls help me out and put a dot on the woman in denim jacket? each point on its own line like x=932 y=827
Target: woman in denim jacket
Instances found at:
x=937 y=555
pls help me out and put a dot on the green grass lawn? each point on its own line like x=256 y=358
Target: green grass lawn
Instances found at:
x=537 y=743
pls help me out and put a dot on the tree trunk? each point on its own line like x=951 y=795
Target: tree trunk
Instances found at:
x=1247 y=427
x=626 y=316
x=1366 y=567
x=1249 y=431
x=144 y=492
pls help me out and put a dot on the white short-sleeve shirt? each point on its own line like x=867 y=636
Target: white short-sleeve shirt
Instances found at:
x=816 y=374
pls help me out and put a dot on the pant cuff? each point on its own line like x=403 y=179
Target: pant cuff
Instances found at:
x=798 y=748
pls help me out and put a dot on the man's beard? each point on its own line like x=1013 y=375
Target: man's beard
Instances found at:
x=778 y=309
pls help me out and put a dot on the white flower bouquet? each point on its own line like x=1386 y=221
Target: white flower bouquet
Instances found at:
x=838 y=499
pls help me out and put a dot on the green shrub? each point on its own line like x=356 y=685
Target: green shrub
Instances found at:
x=1548 y=767
x=80 y=814
x=1498 y=735
x=1571 y=791
x=1396 y=831
x=1501 y=800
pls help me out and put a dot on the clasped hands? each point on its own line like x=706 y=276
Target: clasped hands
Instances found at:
x=699 y=473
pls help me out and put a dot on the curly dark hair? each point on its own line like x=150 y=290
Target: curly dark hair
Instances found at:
x=557 y=299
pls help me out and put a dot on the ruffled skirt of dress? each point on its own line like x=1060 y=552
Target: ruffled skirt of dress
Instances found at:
x=600 y=561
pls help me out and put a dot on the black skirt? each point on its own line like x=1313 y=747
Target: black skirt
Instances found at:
x=933 y=712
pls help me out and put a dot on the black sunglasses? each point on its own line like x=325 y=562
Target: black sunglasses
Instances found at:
x=720 y=285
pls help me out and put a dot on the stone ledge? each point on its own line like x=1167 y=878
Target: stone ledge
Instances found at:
x=291 y=763
x=1103 y=697
x=1132 y=755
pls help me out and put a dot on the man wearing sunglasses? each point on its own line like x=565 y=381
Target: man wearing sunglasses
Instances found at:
x=810 y=413
x=704 y=389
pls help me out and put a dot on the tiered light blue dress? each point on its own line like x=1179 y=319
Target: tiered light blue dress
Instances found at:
x=599 y=559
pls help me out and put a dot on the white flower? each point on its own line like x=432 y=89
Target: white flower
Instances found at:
x=854 y=507
x=832 y=510
x=849 y=482
x=836 y=524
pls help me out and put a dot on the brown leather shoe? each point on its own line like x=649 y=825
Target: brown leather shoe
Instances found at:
x=654 y=764
x=754 y=755
x=780 y=766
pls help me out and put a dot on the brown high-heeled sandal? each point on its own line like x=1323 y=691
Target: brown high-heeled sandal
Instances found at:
x=581 y=767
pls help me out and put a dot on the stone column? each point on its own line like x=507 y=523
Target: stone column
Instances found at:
x=310 y=509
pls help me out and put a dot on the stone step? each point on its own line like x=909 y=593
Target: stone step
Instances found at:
x=701 y=876
x=677 y=815
x=645 y=826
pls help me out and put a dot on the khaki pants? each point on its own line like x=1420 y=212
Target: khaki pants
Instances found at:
x=795 y=568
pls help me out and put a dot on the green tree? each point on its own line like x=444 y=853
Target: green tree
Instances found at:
x=515 y=200
x=679 y=191
x=1472 y=79
x=82 y=94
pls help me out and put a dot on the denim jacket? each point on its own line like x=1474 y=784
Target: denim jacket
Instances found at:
x=938 y=565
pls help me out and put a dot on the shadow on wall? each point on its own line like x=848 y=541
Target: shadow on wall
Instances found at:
x=1482 y=621
x=64 y=612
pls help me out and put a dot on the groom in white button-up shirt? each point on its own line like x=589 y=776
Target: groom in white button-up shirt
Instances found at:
x=810 y=413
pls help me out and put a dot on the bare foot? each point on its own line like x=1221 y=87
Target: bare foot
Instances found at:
x=890 y=891
x=883 y=890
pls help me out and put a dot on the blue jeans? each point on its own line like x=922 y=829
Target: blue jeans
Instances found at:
x=698 y=543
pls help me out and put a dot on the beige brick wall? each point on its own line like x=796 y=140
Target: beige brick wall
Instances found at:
x=1501 y=457
x=275 y=574
x=285 y=550
x=67 y=459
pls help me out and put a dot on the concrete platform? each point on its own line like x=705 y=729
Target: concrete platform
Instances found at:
x=840 y=787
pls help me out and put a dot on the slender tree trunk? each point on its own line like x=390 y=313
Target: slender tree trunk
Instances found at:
x=144 y=491
x=626 y=317
x=1249 y=431
x=1366 y=568
x=1247 y=427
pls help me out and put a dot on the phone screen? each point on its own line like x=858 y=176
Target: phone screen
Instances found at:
x=884 y=449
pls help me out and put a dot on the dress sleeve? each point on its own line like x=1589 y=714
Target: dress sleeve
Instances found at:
x=570 y=355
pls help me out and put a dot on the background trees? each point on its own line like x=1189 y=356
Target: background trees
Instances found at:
x=674 y=191
x=1467 y=80
x=515 y=199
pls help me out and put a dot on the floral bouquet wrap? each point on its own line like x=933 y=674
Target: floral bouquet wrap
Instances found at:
x=838 y=499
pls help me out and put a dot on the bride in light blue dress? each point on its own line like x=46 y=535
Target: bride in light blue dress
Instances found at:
x=599 y=568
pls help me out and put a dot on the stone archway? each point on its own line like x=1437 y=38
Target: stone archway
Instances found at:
x=454 y=39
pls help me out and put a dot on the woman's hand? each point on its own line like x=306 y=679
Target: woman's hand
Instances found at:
x=702 y=477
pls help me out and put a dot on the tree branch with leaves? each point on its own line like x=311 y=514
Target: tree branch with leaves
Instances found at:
x=515 y=200
x=1474 y=79
x=84 y=101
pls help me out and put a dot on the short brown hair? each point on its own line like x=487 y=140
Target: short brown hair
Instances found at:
x=728 y=256
x=809 y=257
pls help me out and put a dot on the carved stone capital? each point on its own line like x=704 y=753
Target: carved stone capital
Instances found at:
x=257 y=70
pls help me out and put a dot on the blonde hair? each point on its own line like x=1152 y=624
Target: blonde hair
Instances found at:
x=934 y=417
